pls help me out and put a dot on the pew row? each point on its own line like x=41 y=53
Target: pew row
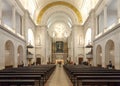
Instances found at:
x=81 y=75
x=23 y=75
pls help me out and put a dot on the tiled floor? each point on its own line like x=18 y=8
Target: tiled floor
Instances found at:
x=59 y=78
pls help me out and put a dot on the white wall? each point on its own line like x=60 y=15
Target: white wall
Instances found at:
x=6 y=35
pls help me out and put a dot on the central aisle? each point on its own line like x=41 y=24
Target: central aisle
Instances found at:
x=59 y=78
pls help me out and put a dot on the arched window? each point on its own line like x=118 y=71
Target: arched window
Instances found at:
x=88 y=36
x=112 y=13
x=7 y=13
x=88 y=51
x=30 y=37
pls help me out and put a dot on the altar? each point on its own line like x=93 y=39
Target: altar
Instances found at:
x=59 y=57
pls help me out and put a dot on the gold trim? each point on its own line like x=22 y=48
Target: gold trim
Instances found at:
x=59 y=3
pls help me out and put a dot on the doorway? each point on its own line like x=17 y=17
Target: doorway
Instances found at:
x=80 y=60
x=38 y=61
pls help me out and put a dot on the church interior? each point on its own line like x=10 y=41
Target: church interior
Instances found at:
x=63 y=38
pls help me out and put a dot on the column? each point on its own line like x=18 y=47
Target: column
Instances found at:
x=71 y=51
x=117 y=55
x=74 y=45
x=25 y=55
x=94 y=55
x=0 y=11
x=2 y=53
x=13 y=18
x=23 y=26
x=103 y=55
x=118 y=9
x=76 y=31
x=15 y=56
x=43 y=31
x=97 y=29
x=46 y=45
x=105 y=17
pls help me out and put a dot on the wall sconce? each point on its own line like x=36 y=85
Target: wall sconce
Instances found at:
x=101 y=54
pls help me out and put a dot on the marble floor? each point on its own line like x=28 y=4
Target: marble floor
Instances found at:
x=59 y=78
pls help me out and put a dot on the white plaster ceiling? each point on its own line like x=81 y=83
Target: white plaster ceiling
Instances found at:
x=76 y=3
x=60 y=18
x=59 y=26
x=83 y=6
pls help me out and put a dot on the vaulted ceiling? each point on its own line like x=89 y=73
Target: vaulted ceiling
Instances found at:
x=37 y=8
x=59 y=15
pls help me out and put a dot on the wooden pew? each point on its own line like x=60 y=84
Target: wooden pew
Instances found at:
x=18 y=82
x=98 y=80
x=27 y=74
x=21 y=79
x=85 y=75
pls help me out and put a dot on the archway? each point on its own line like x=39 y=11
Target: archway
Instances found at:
x=99 y=55
x=20 y=55
x=109 y=52
x=9 y=54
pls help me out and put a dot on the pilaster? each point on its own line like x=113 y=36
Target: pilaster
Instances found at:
x=103 y=56
x=0 y=11
x=105 y=17
x=117 y=55
x=14 y=18
x=15 y=56
x=118 y=9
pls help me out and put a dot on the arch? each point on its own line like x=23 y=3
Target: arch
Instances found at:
x=9 y=54
x=99 y=55
x=109 y=52
x=75 y=10
x=20 y=55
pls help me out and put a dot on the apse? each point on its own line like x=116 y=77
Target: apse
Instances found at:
x=59 y=26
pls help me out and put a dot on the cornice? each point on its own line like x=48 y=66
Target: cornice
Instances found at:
x=13 y=34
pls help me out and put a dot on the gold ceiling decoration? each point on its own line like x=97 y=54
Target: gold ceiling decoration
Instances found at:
x=41 y=13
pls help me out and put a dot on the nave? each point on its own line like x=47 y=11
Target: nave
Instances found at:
x=55 y=75
x=59 y=78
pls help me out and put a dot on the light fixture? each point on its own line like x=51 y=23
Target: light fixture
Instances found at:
x=101 y=54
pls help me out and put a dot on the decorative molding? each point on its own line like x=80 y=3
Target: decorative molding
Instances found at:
x=10 y=32
x=108 y=32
